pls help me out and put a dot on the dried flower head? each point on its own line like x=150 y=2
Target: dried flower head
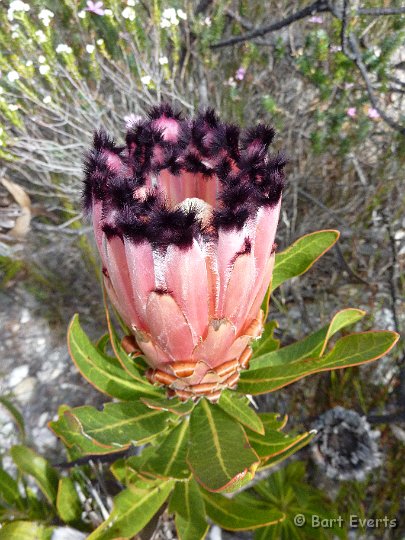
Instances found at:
x=185 y=216
x=345 y=447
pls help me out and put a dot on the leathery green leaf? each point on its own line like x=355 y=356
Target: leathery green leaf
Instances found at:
x=301 y=255
x=15 y=414
x=287 y=452
x=274 y=443
x=25 y=530
x=68 y=429
x=240 y=513
x=103 y=372
x=67 y=501
x=132 y=364
x=311 y=346
x=173 y=405
x=219 y=454
x=267 y=342
x=121 y=424
x=238 y=407
x=187 y=504
x=169 y=460
x=133 y=509
x=9 y=490
x=29 y=462
x=351 y=350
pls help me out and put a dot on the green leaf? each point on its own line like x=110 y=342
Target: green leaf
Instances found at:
x=105 y=373
x=240 y=513
x=129 y=363
x=9 y=490
x=273 y=421
x=188 y=505
x=173 y=405
x=69 y=430
x=15 y=414
x=25 y=530
x=133 y=509
x=67 y=501
x=267 y=343
x=312 y=345
x=301 y=255
x=351 y=350
x=238 y=407
x=170 y=456
x=29 y=462
x=102 y=343
x=274 y=443
x=219 y=454
x=120 y=424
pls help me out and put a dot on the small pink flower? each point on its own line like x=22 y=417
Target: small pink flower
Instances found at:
x=95 y=7
x=315 y=19
x=185 y=217
x=240 y=74
x=373 y=113
x=352 y=112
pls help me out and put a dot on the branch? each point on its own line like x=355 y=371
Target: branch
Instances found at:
x=317 y=7
x=381 y=11
x=357 y=59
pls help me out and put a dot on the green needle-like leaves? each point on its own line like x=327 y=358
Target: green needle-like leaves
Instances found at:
x=219 y=454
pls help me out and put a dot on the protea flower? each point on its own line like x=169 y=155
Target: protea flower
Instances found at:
x=185 y=217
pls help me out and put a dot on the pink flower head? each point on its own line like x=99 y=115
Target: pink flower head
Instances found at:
x=352 y=112
x=95 y=7
x=185 y=216
x=373 y=113
x=315 y=19
x=240 y=74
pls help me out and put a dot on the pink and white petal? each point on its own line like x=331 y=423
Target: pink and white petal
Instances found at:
x=142 y=275
x=115 y=302
x=212 y=351
x=168 y=326
x=186 y=279
x=229 y=244
x=155 y=357
x=265 y=233
x=261 y=291
x=117 y=269
x=239 y=290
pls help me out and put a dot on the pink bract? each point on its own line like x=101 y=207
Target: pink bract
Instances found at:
x=185 y=216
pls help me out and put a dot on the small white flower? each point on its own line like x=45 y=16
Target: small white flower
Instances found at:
x=15 y=7
x=43 y=69
x=15 y=27
x=182 y=14
x=100 y=41
x=129 y=13
x=81 y=14
x=146 y=79
x=90 y=48
x=13 y=76
x=207 y=21
x=169 y=13
x=41 y=36
x=45 y=15
x=41 y=59
x=63 y=48
x=15 y=35
x=108 y=12
x=47 y=99
x=131 y=2
x=163 y=60
x=164 y=23
x=13 y=107
x=29 y=63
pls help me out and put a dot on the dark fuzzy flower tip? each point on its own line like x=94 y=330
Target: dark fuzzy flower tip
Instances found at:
x=204 y=148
